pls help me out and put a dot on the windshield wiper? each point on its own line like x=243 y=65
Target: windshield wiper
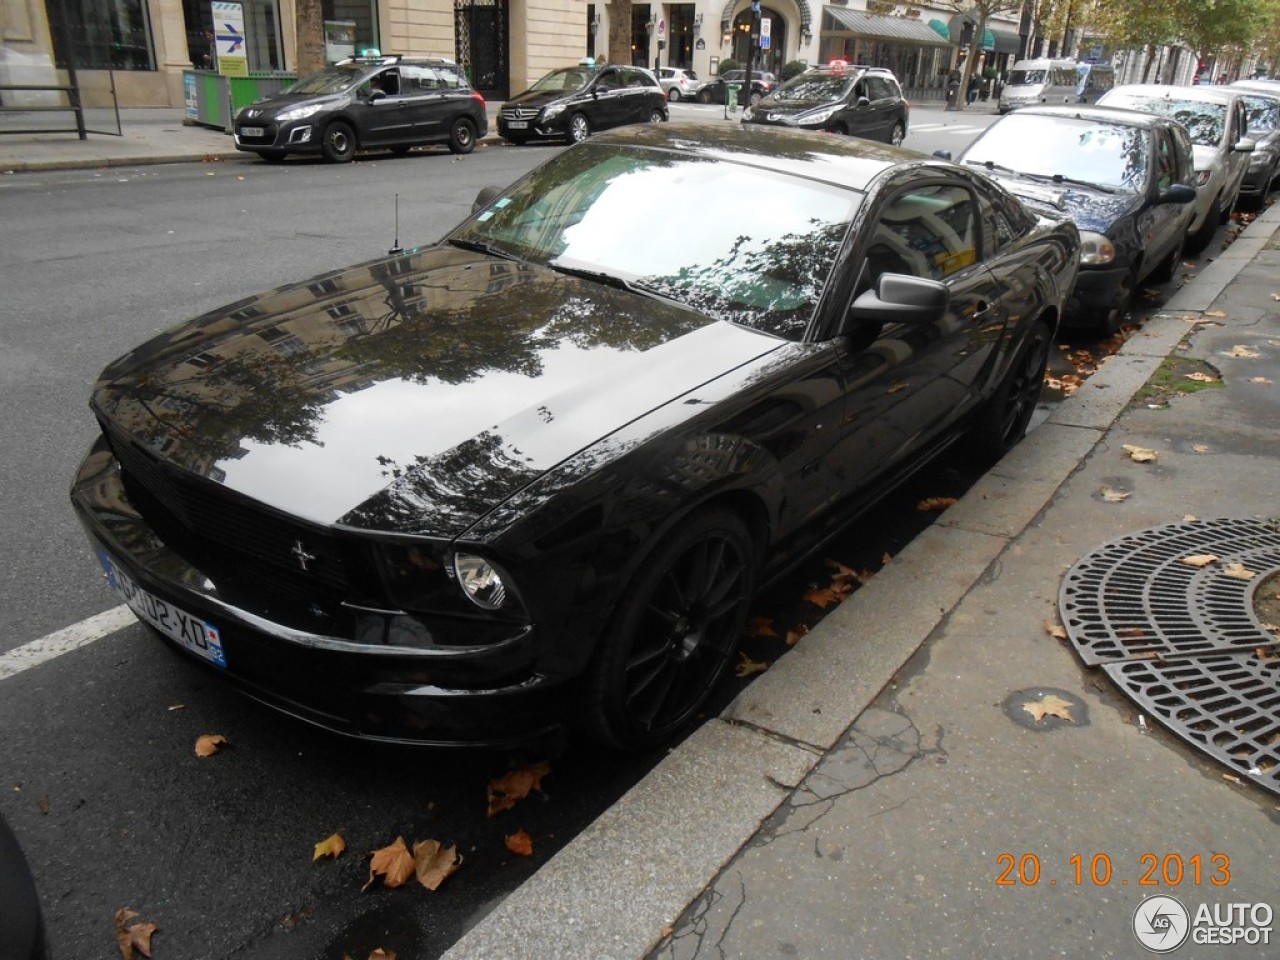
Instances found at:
x=482 y=246
x=1061 y=178
x=618 y=283
x=992 y=165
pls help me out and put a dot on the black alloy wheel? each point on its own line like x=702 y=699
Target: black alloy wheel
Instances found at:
x=656 y=116
x=579 y=128
x=704 y=96
x=462 y=136
x=339 y=142
x=898 y=134
x=675 y=633
x=1003 y=419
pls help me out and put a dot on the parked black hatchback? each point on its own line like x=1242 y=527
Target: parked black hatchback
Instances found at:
x=570 y=103
x=364 y=103
x=860 y=101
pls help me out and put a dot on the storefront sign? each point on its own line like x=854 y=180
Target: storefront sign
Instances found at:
x=228 y=35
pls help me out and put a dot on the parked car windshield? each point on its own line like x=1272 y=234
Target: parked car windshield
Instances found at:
x=334 y=79
x=1264 y=114
x=564 y=79
x=815 y=89
x=592 y=209
x=1205 y=121
x=1112 y=155
x=1020 y=78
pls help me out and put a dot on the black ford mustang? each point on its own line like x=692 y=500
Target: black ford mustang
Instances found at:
x=534 y=473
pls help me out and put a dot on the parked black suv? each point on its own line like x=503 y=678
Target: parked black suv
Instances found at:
x=839 y=98
x=363 y=103
x=570 y=103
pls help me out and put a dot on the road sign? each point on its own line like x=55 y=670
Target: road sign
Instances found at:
x=766 y=27
x=764 y=42
x=228 y=36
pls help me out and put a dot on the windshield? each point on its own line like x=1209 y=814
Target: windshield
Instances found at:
x=1112 y=155
x=564 y=79
x=1021 y=78
x=1206 y=122
x=1264 y=114
x=335 y=79
x=816 y=89
x=762 y=265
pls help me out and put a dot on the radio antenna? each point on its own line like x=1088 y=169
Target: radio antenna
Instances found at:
x=396 y=249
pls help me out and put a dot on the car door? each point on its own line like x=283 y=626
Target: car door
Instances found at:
x=386 y=116
x=907 y=383
x=605 y=107
x=880 y=110
x=1162 y=224
x=439 y=98
x=1237 y=161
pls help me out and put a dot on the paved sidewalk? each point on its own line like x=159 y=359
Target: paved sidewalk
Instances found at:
x=865 y=796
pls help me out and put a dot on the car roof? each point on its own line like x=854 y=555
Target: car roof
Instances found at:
x=1201 y=93
x=849 y=162
x=1101 y=113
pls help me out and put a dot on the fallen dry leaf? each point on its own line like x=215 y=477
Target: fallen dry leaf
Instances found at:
x=746 y=666
x=520 y=843
x=178 y=706
x=134 y=937
x=435 y=863
x=393 y=863
x=1219 y=314
x=1051 y=705
x=331 y=847
x=842 y=572
x=1201 y=377
x=1114 y=496
x=381 y=954
x=1139 y=454
x=1262 y=380
x=1265 y=653
x=797 y=632
x=1055 y=630
x=897 y=388
x=1189 y=518
x=1239 y=571
x=1133 y=632
x=516 y=785
x=823 y=596
x=760 y=627
x=886 y=559
x=1239 y=350
x=1232 y=777
x=210 y=744
x=1200 y=559
x=935 y=504
x=1200 y=447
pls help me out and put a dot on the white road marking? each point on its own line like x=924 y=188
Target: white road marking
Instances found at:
x=945 y=128
x=64 y=641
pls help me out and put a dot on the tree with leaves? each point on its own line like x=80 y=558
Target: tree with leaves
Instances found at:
x=978 y=12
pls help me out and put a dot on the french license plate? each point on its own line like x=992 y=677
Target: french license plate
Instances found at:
x=252 y=131
x=518 y=124
x=201 y=638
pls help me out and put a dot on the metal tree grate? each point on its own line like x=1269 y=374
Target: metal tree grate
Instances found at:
x=1135 y=597
x=1182 y=641
x=1227 y=705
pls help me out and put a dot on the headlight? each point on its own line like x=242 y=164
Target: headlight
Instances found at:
x=553 y=111
x=300 y=113
x=1095 y=249
x=820 y=116
x=480 y=581
x=1203 y=177
x=1261 y=157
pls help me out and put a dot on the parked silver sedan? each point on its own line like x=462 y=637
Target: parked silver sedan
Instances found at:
x=679 y=84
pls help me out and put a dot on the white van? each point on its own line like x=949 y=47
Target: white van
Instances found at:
x=1039 y=81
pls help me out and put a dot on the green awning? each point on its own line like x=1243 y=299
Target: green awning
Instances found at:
x=940 y=29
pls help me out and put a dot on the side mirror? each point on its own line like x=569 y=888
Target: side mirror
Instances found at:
x=1245 y=145
x=376 y=95
x=1179 y=193
x=899 y=298
x=863 y=102
x=485 y=197
x=942 y=154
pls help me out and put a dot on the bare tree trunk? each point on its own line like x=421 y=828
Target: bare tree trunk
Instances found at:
x=1150 y=51
x=1171 y=68
x=309 y=22
x=620 y=31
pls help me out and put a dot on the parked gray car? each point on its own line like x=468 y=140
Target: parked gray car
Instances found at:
x=1262 y=100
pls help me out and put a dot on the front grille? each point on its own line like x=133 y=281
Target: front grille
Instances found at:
x=266 y=544
x=519 y=113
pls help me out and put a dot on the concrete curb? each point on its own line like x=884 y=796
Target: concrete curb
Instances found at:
x=613 y=889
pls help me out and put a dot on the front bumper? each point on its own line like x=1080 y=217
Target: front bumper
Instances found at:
x=554 y=129
x=298 y=136
x=359 y=681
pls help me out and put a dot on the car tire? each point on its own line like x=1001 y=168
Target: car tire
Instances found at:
x=1109 y=322
x=1197 y=241
x=898 y=134
x=1002 y=421
x=338 y=142
x=579 y=128
x=704 y=96
x=756 y=97
x=673 y=95
x=657 y=116
x=675 y=634
x=1168 y=268
x=840 y=130
x=462 y=136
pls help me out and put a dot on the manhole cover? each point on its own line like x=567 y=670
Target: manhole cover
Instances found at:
x=1182 y=641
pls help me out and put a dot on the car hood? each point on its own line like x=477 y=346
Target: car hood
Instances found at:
x=270 y=106
x=457 y=375
x=1093 y=210
x=537 y=99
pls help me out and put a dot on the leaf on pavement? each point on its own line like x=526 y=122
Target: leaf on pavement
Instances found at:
x=210 y=744
x=520 y=843
x=516 y=785
x=1139 y=454
x=1114 y=496
x=886 y=560
x=1200 y=447
x=746 y=666
x=1200 y=559
x=1055 y=630
x=761 y=627
x=796 y=633
x=1265 y=381
x=1190 y=518
x=1239 y=571
x=935 y=504
x=393 y=863
x=1051 y=705
x=133 y=937
x=897 y=387
x=435 y=863
x=381 y=954
x=1218 y=314
x=823 y=596
x=331 y=847
x=1240 y=350
x=1200 y=377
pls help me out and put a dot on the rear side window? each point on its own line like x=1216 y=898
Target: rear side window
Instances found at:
x=925 y=232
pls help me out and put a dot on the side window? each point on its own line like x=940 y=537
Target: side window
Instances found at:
x=928 y=231
x=414 y=80
x=388 y=82
x=609 y=80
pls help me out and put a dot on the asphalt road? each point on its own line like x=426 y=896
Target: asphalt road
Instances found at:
x=97 y=770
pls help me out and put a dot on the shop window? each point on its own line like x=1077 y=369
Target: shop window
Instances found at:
x=262 y=34
x=101 y=34
x=363 y=13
